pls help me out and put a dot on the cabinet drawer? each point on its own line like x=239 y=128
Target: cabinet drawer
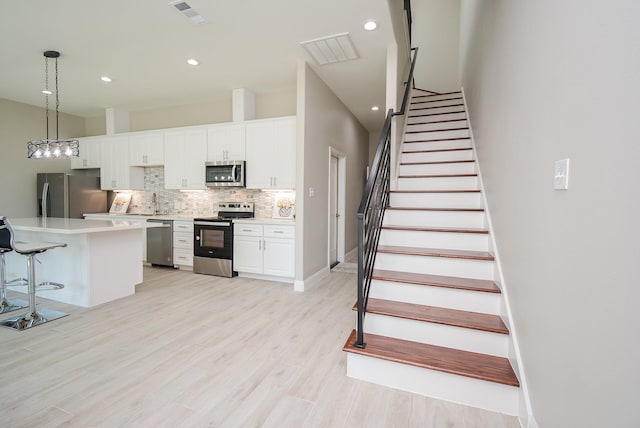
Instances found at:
x=182 y=257
x=183 y=240
x=183 y=226
x=279 y=231
x=242 y=229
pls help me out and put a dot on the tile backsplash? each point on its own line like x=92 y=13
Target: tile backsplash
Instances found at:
x=199 y=203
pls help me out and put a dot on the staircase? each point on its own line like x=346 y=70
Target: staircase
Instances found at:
x=433 y=323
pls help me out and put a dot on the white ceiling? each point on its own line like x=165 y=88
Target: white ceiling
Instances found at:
x=143 y=46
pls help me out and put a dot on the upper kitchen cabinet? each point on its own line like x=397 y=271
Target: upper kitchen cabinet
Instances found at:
x=185 y=153
x=89 y=153
x=271 y=153
x=146 y=149
x=226 y=142
x=115 y=171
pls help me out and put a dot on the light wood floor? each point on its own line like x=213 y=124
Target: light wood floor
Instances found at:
x=201 y=351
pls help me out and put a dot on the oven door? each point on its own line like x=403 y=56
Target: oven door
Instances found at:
x=213 y=239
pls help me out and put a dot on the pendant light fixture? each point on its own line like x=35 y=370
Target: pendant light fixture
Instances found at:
x=52 y=148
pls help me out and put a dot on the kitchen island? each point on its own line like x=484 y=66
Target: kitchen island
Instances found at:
x=101 y=262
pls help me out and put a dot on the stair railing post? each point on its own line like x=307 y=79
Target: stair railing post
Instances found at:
x=360 y=321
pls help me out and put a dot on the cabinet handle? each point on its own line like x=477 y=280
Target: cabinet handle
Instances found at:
x=84 y=162
x=144 y=158
x=264 y=245
x=278 y=231
x=259 y=245
x=274 y=181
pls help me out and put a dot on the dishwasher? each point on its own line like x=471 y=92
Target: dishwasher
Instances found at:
x=160 y=243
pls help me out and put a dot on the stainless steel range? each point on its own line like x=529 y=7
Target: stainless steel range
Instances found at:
x=213 y=239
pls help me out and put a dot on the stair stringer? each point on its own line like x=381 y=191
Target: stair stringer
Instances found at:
x=525 y=413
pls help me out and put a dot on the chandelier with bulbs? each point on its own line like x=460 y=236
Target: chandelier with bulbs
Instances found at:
x=52 y=148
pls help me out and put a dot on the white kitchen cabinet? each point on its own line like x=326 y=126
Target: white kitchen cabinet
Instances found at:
x=226 y=142
x=267 y=250
x=115 y=171
x=279 y=250
x=271 y=153
x=183 y=243
x=185 y=154
x=146 y=149
x=89 y=153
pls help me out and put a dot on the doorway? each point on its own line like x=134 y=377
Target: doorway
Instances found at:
x=337 y=176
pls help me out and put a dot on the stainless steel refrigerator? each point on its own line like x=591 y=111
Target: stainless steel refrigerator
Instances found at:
x=70 y=196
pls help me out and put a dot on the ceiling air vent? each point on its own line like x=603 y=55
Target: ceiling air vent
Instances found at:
x=188 y=12
x=331 y=49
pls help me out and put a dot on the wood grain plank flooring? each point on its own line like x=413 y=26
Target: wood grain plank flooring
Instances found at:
x=437 y=315
x=455 y=361
x=193 y=350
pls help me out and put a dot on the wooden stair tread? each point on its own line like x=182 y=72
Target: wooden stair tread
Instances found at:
x=437 y=140
x=437 y=121
x=437 y=130
x=435 y=209
x=437 y=229
x=434 y=107
x=437 y=175
x=437 y=191
x=482 y=285
x=448 y=360
x=436 y=101
x=436 y=114
x=433 y=93
x=437 y=162
x=437 y=315
x=458 y=149
x=436 y=252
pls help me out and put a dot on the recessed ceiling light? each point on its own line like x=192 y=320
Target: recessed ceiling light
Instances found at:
x=375 y=108
x=370 y=25
x=106 y=79
x=193 y=61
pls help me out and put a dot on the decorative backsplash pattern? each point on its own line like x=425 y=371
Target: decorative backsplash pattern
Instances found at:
x=197 y=203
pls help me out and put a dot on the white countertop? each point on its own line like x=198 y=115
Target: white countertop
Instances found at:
x=266 y=220
x=183 y=217
x=69 y=226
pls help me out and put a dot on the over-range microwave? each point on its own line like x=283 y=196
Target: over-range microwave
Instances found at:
x=225 y=173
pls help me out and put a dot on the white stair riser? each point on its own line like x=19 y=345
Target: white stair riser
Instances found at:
x=434 y=218
x=464 y=268
x=436 y=125
x=448 y=336
x=431 y=111
x=431 y=383
x=437 y=156
x=436 y=200
x=427 y=103
x=444 y=297
x=438 y=168
x=438 y=183
x=437 y=135
x=437 y=145
x=437 y=118
x=417 y=96
x=447 y=240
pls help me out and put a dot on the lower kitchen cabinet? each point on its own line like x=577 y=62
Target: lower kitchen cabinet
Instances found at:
x=267 y=250
x=183 y=243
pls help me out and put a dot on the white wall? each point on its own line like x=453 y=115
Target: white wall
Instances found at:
x=325 y=122
x=547 y=80
x=268 y=104
x=436 y=34
x=20 y=123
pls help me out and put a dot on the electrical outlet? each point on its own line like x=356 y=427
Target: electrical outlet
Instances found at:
x=561 y=175
x=312 y=192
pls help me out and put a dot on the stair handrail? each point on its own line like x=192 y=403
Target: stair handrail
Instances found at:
x=371 y=210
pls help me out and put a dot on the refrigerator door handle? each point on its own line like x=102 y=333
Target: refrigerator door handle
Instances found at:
x=45 y=197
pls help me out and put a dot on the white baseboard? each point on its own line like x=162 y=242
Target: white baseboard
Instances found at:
x=314 y=279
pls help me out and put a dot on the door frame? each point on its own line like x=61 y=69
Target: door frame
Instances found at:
x=341 y=197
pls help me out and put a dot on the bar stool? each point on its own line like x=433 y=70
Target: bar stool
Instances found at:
x=29 y=249
x=7 y=305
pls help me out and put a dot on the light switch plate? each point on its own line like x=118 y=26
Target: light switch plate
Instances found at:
x=561 y=175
